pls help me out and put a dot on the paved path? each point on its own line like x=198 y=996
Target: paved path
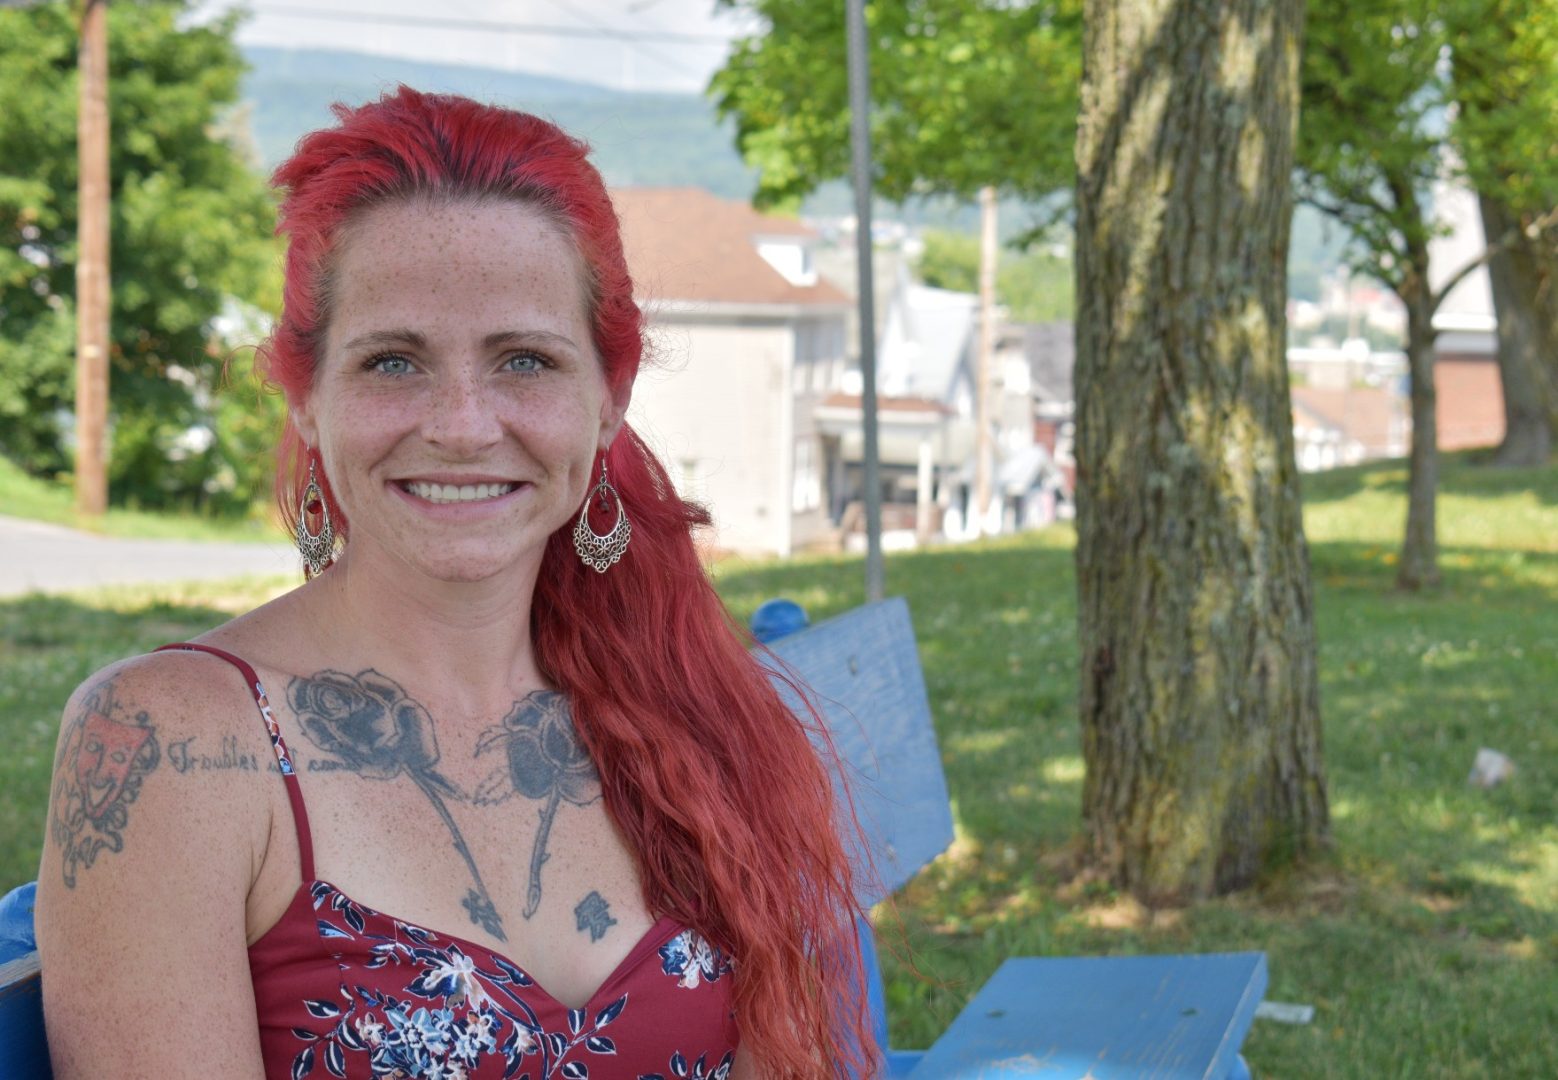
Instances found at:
x=51 y=558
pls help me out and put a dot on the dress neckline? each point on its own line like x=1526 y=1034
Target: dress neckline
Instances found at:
x=661 y=931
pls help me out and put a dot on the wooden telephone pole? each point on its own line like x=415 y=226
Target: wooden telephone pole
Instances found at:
x=92 y=295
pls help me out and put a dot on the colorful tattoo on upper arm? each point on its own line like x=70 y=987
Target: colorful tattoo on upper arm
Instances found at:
x=104 y=755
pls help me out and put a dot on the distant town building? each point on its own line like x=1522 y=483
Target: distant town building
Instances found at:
x=1470 y=405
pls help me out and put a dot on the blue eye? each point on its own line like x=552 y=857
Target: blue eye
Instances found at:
x=525 y=363
x=388 y=364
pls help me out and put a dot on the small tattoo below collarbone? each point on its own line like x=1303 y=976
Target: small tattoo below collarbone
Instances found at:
x=593 y=914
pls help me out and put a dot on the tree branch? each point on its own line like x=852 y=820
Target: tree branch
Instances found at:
x=1532 y=230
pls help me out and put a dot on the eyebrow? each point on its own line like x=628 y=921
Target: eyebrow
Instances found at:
x=418 y=340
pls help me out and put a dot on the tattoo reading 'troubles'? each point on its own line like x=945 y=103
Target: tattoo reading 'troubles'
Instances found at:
x=369 y=726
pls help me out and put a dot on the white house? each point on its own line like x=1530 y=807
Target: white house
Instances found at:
x=927 y=420
x=749 y=341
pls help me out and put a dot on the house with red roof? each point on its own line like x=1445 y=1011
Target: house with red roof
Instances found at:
x=746 y=340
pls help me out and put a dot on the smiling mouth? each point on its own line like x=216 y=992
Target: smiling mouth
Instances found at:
x=450 y=493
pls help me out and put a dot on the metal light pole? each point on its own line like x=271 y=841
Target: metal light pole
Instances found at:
x=860 y=147
x=984 y=361
x=92 y=296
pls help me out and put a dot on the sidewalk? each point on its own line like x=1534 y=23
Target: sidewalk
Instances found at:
x=35 y=556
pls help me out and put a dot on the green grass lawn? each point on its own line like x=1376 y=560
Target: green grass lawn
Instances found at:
x=1427 y=938
x=25 y=496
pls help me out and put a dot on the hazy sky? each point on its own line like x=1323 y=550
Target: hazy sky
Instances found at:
x=624 y=44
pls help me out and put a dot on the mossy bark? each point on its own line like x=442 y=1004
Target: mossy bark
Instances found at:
x=1199 y=693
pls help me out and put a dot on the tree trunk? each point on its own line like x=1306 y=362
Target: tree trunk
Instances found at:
x=1522 y=279
x=1199 y=697
x=1419 y=562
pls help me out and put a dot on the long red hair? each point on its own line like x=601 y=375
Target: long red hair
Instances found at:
x=712 y=780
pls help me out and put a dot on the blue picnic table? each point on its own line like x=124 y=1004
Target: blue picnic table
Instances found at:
x=1063 y=1018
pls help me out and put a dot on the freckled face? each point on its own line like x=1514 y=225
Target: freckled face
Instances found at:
x=458 y=402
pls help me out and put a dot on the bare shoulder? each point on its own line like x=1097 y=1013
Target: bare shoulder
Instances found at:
x=154 y=836
x=139 y=742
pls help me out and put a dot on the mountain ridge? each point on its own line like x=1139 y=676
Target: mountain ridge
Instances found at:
x=638 y=139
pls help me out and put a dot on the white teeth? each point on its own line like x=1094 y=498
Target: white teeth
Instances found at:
x=449 y=493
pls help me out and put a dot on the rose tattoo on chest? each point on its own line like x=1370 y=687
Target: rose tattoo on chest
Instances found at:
x=375 y=729
x=543 y=759
x=372 y=727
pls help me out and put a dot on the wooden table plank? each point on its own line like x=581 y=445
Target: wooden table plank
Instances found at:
x=1104 y=1018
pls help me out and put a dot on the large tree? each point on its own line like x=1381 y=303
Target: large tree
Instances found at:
x=1379 y=133
x=191 y=223
x=1199 y=693
x=1370 y=149
x=1504 y=74
x=1523 y=275
x=1200 y=707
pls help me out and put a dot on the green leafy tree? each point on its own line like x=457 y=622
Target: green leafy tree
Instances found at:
x=1504 y=75
x=1376 y=135
x=191 y=223
x=965 y=93
x=1034 y=286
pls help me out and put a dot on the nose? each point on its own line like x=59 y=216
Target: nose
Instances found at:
x=463 y=414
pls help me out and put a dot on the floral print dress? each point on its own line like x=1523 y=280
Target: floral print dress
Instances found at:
x=344 y=991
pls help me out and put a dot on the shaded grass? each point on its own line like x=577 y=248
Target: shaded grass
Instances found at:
x=26 y=496
x=1427 y=938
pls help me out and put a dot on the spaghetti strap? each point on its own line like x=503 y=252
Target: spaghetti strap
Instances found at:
x=278 y=744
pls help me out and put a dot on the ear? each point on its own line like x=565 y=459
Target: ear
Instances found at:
x=303 y=419
x=614 y=411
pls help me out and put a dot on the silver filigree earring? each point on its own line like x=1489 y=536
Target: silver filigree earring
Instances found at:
x=318 y=549
x=597 y=551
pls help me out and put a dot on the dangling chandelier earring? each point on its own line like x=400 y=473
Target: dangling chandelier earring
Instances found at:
x=318 y=549
x=597 y=551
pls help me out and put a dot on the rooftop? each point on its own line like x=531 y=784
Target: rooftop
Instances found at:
x=688 y=245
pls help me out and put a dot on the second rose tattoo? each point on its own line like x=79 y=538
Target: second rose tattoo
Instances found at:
x=377 y=730
x=543 y=760
x=593 y=915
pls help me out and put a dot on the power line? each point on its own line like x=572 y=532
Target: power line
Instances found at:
x=653 y=54
x=491 y=26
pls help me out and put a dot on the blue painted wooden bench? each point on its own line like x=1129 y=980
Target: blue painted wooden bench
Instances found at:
x=1168 y=1017
x=24 y=1054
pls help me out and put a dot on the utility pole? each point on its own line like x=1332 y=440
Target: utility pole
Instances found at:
x=985 y=361
x=92 y=297
x=860 y=146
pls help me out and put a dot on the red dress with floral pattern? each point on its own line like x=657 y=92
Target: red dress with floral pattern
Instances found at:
x=345 y=991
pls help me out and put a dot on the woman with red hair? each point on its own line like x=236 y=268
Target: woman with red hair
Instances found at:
x=499 y=791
